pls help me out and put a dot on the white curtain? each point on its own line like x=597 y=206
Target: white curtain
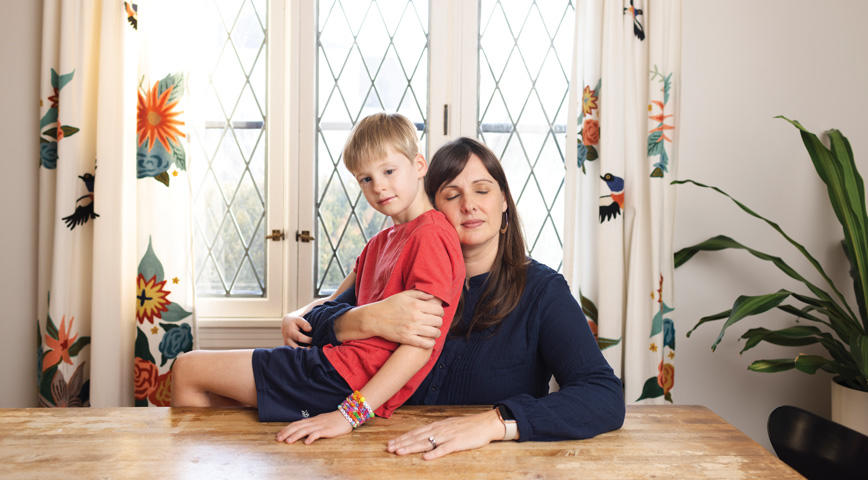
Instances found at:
x=618 y=240
x=113 y=207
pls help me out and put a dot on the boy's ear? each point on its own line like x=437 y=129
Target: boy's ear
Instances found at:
x=420 y=164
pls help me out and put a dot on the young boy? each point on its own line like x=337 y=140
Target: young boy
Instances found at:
x=360 y=377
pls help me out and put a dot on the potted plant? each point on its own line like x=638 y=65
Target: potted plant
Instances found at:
x=822 y=314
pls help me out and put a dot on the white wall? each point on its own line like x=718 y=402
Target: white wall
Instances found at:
x=19 y=55
x=745 y=61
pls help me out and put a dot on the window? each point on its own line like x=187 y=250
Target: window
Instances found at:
x=288 y=83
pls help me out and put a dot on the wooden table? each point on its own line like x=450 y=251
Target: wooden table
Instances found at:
x=668 y=442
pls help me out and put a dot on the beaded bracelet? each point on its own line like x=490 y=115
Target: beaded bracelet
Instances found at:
x=355 y=409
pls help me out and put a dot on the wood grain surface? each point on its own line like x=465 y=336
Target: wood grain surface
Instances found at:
x=668 y=442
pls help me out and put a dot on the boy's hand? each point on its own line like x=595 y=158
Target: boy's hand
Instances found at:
x=324 y=425
x=292 y=327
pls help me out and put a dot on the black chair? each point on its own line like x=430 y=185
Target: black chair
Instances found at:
x=816 y=447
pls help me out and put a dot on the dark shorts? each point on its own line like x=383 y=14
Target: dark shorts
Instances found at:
x=295 y=383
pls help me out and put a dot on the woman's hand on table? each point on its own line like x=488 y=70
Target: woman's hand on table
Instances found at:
x=450 y=435
x=324 y=425
x=410 y=317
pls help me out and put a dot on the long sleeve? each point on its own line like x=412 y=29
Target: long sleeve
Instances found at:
x=322 y=318
x=590 y=400
x=546 y=335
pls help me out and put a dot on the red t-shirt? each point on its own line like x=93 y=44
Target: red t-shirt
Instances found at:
x=423 y=254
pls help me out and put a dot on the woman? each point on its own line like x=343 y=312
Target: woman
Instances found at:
x=518 y=325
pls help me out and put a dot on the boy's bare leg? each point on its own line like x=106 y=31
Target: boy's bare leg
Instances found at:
x=205 y=378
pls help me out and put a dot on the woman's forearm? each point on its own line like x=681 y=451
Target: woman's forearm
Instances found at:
x=353 y=325
x=410 y=317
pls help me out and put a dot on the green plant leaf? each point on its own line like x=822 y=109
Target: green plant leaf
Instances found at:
x=846 y=191
x=859 y=349
x=723 y=242
x=748 y=305
x=651 y=389
x=802 y=313
x=710 y=318
x=789 y=337
x=778 y=229
x=810 y=363
x=772 y=366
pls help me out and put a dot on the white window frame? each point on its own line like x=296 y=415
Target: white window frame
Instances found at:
x=250 y=322
x=291 y=140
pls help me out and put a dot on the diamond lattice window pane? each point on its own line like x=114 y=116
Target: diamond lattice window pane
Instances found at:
x=523 y=84
x=372 y=56
x=229 y=192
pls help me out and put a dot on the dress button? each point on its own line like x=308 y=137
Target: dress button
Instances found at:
x=440 y=365
x=434 y=388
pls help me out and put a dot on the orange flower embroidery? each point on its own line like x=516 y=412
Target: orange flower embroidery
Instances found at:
x=590 y=132
x=157 y=120
x=662 y=127
x=666 y=376
x=59 y=347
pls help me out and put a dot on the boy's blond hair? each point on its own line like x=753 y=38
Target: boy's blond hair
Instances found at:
x=375 y=135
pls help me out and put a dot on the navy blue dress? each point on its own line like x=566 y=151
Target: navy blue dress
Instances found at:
x=546 y=335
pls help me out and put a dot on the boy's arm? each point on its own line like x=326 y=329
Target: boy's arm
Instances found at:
x=399 y=368
x=404 y=362
x=293 y=323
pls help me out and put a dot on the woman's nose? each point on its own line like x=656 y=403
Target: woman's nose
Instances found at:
x=467 y=204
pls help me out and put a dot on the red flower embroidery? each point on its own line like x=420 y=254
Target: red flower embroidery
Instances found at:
x=145 y=374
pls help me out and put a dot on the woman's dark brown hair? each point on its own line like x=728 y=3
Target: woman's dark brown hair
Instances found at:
x=508 y=275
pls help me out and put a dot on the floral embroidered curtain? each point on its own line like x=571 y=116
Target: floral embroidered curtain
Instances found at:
x=115 y=296
x=618 y=240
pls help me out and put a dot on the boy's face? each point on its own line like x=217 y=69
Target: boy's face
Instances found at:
x=391 y=184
